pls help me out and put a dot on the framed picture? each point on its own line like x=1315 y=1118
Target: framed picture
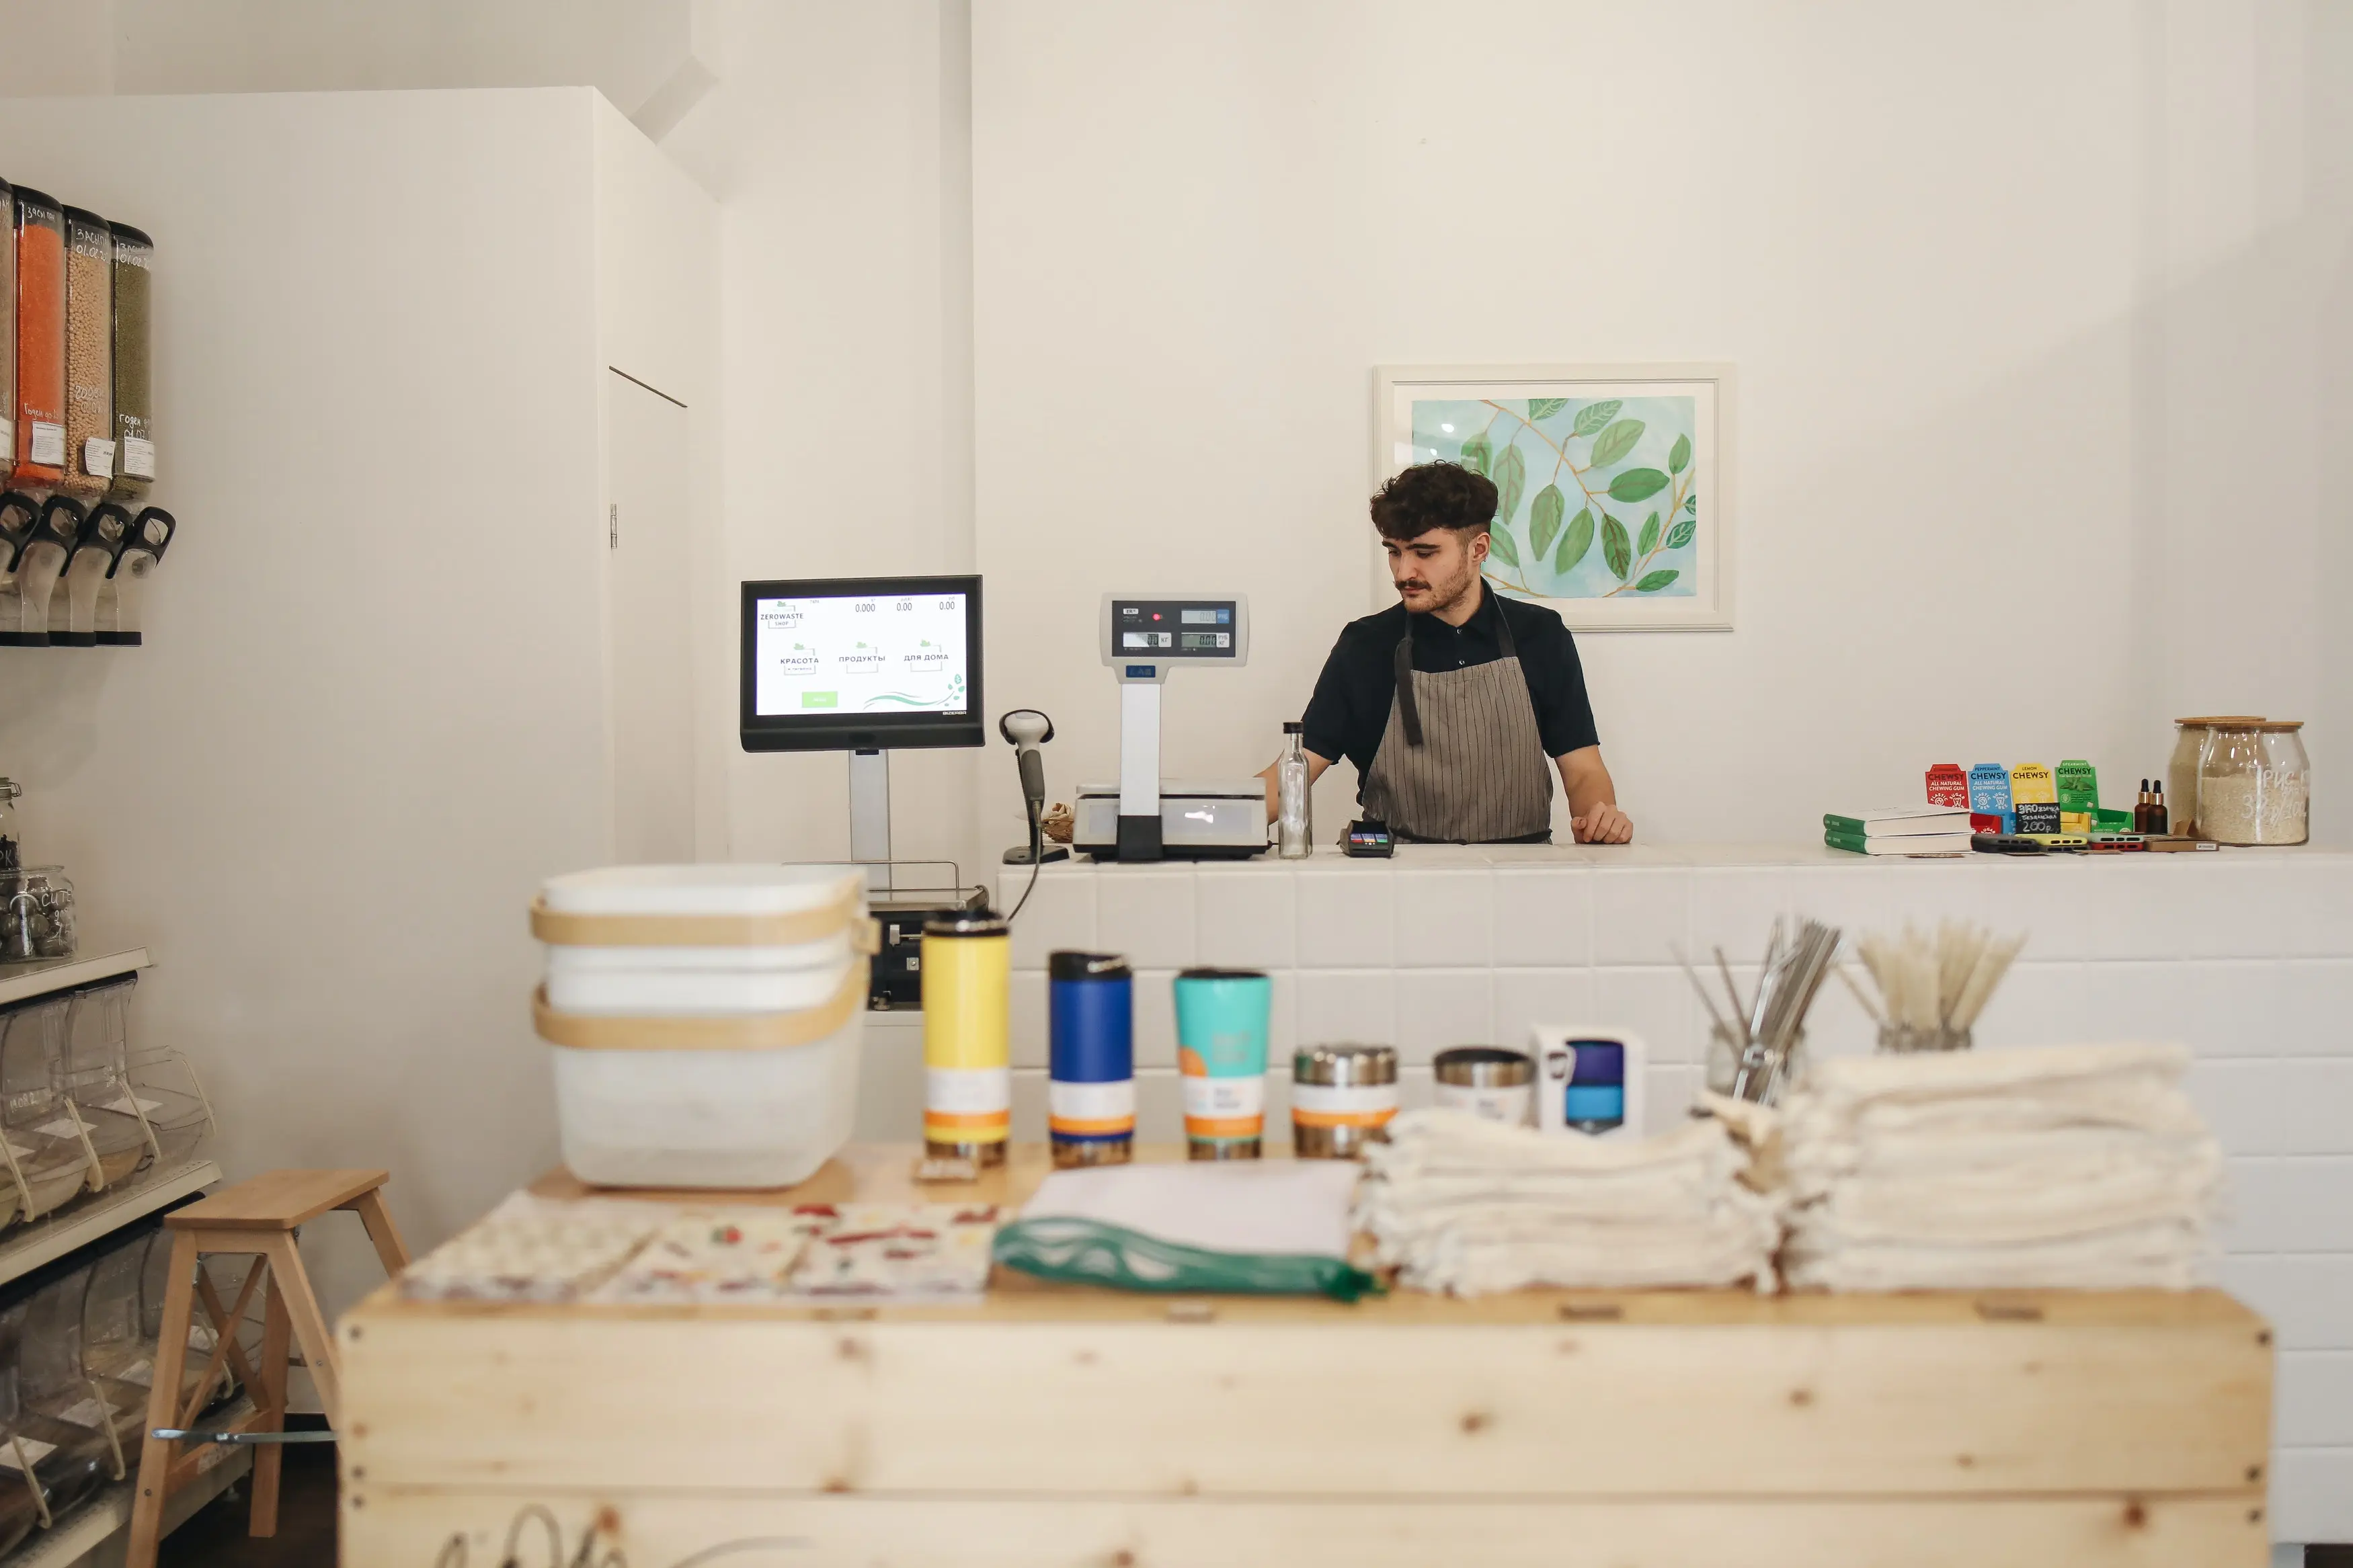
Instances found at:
x=1614 y=481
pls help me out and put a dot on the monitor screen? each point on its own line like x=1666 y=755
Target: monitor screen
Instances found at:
x=858 y=662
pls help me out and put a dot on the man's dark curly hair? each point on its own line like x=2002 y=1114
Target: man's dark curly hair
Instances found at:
x=1433 y=495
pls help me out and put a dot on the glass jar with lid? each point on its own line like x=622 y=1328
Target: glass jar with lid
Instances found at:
x=2181 y=773
x=37 y=914
x=2254 y=783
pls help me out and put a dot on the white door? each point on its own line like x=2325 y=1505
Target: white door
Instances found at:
x=649 y=612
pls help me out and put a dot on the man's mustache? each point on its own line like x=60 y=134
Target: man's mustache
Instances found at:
x=1412 y=585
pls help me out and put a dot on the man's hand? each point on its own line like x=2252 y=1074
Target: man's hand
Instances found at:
x=1593 y=813
x=1604 y=824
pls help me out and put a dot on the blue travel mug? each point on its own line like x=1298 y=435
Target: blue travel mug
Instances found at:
x=1090 y=1070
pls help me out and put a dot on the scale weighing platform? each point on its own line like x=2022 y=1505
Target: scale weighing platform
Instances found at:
x=1145 y=817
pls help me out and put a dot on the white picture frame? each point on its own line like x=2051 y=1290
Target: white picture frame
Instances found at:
x=1648 y=414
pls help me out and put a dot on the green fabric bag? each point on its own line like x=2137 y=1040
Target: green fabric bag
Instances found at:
x=1092 y=1252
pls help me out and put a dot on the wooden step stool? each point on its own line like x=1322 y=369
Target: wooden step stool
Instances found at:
x=256 y=1219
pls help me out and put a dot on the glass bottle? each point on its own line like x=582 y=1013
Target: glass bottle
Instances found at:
x=12 y=853
x=1295 y=810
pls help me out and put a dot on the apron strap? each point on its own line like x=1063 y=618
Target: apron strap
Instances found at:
x=1503 y=638
x=1409 y=710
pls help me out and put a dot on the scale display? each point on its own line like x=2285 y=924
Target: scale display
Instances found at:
x=1175 y=628
x=860 y=654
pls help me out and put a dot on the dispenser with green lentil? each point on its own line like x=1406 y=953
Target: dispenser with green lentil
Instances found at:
x=134 y=382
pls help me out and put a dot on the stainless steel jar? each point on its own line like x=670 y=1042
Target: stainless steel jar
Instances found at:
x=1342 y=1097
x=1488 y=1081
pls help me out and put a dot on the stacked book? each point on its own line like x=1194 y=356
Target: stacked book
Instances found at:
x=1456 y=1204
x=1899 y=830
x=2062 y=1167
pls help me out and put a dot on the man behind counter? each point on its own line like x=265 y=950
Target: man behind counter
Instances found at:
x=1457 y=704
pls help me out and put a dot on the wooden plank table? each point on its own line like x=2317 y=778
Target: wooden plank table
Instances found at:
x=1064 y=1425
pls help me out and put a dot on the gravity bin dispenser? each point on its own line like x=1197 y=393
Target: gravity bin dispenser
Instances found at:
x=77 y=426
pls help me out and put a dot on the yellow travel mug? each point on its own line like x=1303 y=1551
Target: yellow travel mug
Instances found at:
x=967 y=1070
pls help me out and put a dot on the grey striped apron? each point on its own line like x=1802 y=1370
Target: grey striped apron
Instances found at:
x=1462 y=761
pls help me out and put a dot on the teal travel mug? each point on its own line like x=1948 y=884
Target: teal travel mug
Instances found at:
x=1221 y=1018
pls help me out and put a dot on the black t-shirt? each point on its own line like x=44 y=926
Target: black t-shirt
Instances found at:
x=1350 y=710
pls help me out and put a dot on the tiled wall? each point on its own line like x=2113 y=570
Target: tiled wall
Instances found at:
x=2245 y=956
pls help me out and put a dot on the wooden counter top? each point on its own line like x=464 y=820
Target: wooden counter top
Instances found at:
x=884 y=1173
x=1070 y=1425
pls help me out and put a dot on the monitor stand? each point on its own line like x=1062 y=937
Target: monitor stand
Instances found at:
x=870 y=817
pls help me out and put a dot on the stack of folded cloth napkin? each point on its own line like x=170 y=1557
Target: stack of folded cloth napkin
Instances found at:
x=2064 y=1167
x=1465 y=1206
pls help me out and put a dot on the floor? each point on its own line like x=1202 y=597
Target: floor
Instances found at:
x=216 y=1537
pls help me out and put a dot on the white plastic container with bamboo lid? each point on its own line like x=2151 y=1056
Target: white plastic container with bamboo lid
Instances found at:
x=706 y=1020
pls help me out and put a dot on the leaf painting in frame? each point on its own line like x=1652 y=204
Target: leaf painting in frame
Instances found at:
x=1613 y=482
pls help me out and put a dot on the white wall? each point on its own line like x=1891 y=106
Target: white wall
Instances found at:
x=658 y=322
x=845 y=367
x=641 y=54
x=368 y=718
x=2029 y=454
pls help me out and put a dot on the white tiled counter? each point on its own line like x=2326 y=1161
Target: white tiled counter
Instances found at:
x=2246 y=955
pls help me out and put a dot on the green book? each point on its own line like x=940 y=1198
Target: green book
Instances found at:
x=1899 y=844
x=1897 y=821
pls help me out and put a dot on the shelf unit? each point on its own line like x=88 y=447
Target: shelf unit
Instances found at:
x=94 y=1534
x=23 y=982
x=53 y=1236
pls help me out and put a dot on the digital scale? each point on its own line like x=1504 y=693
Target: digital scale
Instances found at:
x=1145 y=817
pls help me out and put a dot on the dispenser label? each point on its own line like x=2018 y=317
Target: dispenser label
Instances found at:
x=1091 y=1110
x=60 y=1128
x=126 y=1108
x=141 y=1372
x=138 y=459
x=48 y=443
x=88 y=1413
x=97 y=458
x=8 y=433
x=1352 y=1105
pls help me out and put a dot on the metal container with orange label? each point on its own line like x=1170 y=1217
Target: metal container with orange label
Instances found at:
x=1342 y=1097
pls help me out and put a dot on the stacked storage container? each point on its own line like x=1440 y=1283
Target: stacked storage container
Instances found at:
x=706 y=1020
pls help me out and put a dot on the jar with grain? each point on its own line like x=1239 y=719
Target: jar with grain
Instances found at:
x=40 y=398
x=2189 y=738
x=134 y=383
x=2254 y=783
x=90 y=355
